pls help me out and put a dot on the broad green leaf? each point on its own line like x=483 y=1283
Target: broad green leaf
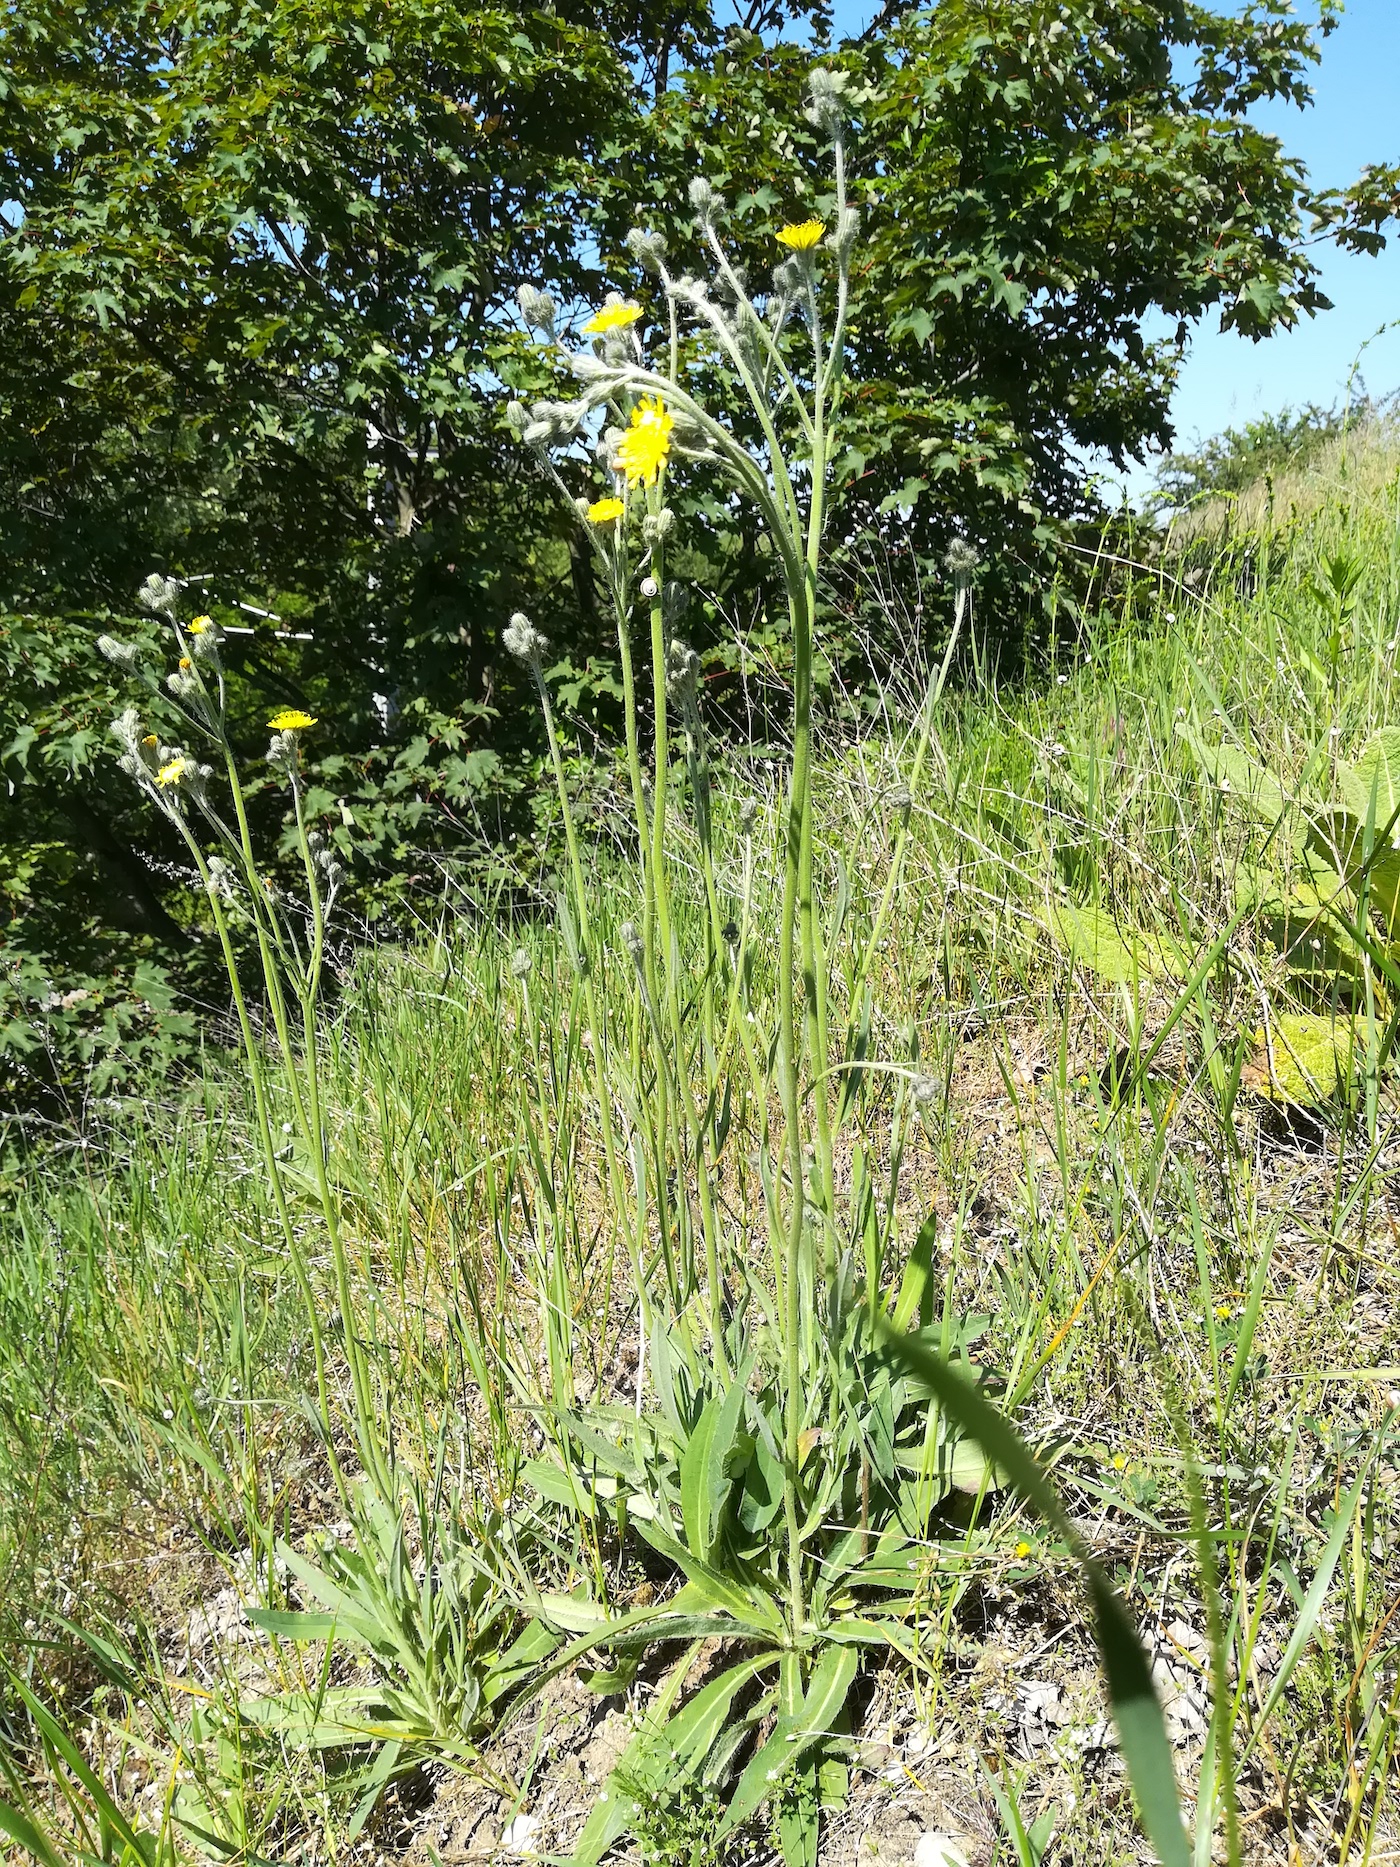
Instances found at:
x=1093 y=938
x=1302 y=1057
x=291 y=1625
x=1238 y=775
x=915 y=1288
x=704 y=1466
x=1374 y=775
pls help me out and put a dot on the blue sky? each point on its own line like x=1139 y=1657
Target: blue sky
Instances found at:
x=1354 y=119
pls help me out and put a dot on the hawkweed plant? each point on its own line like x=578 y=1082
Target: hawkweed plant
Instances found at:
x=791 y=1462
x=197 y=786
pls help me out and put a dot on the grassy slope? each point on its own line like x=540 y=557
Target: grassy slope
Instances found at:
x=151 y=1358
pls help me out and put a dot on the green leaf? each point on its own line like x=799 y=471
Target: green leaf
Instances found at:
x=288 y=1624
x=1094 y=939
x=915 y=1288
x=1137 y=1714
x=704 y=1467
x=794 y=1736
x=1370 y=786
x=1238 y=775
x=1302 y=1057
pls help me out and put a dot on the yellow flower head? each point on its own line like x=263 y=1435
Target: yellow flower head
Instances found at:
x=604 y=511
x=150 y=740
x=1023 y=1550
x=612 y=318
x=802 y=235
x=184 y=664
x=643 y=449
x=201 y=625
x=290 y=720
x=172 y=773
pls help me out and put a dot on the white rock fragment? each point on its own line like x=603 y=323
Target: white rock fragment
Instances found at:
x=937 y=1849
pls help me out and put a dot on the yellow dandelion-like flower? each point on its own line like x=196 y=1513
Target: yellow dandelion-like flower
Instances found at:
x=185 y=664
x=1023 y=1550
x=201 y=625
x=604 y=511
x=172 y=773
x=802 y=235
x=643 y=449
x=150 y=740
x=290 y=720
x=612 y=318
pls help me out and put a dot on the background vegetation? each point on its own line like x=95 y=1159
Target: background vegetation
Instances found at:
x=733 y=1206
x=258 y=273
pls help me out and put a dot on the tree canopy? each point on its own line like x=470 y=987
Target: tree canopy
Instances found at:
x=258 y=274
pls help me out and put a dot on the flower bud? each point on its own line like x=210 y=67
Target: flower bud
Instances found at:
x=123 y=655
x=682 y=671
x=524 y=640
x=658 y=526
x=960 y=560
x=827 y=109
x=925 y=1092
x=160 y=594
x=843 y=235
x=748 y=815
x=648 y=249
x=538 y=310
x=520 y=963
x=282 y=751
x=631 y=939
x=708 y=206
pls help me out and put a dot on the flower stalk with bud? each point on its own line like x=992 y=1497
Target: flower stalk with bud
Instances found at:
x=291 y=950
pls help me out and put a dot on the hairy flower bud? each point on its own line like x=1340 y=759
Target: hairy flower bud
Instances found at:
x=827 y=109
x=538 y=309
x=123 y=655
x=658 y=526
x=682 y=671
x=517 y=417
x=648 y=249
x=675 y=599
x=748 y=816
x=788 y=279
x=160 y=594
x=591 y=369
x=127 y=728
x=520 y=963
x=220 y=878
x=960 y=560
x=925 y=1092
x=282 y=751
x=843 y=235
x=631 y=939
x=524 y=640
x=709 y=208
